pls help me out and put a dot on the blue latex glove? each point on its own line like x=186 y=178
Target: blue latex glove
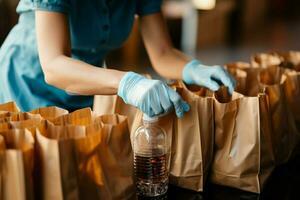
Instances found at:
x=153 y=97
x=211 y=77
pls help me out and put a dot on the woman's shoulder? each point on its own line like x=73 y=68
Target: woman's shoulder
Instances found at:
x=63 y=6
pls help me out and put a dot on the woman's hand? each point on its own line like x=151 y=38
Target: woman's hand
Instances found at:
x=153 y=97
x=211 y=77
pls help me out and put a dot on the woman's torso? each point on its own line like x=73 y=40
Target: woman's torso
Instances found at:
x=96 y=27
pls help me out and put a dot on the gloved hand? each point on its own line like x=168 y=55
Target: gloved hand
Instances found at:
x=153 y=97
x=211 y=77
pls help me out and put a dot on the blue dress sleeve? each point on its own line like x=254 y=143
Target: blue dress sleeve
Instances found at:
x=147 y=7
x=62 y=6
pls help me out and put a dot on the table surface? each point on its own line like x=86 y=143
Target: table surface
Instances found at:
x=284 y=184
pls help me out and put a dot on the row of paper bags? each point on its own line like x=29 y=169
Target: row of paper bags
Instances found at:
x=234 y=140
x=50 y=154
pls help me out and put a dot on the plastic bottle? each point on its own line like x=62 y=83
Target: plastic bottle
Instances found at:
x=150 y=147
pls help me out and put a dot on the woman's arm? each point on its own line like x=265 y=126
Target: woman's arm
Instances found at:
x=173 y=64
x=60 y=69
x=166 y=60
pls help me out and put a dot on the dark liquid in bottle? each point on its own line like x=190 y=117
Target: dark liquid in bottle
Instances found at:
x=151 y=174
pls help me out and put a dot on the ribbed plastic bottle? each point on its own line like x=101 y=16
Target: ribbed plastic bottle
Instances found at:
x=150 y=147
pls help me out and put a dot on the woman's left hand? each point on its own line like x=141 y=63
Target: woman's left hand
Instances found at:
x=211 y=77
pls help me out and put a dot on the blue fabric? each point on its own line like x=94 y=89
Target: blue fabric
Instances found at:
x=96 y=27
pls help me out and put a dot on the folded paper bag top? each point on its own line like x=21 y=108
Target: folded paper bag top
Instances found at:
x=82 y=117
x=50 y=113
x=10 y=106
x=20 y=121
x=291 y=59
x=5 y=114
x=266 y=59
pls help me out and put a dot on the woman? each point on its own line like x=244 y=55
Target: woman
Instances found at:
x=53 y=56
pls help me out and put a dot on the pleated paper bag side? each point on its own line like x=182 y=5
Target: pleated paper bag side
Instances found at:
x=50 y=113
x=10 y=107
x=2 y=158
x=206 y=122
x=292 y=92
x=18 y=165
x=116 y=158
x=284 y=132
x=267 y=156
x=58 y=174
x=238 y=144
x=205 y=101
x=186 y=168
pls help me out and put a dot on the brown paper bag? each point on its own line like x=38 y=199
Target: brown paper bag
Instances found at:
x=82 y=117
x=50 y=113
x=250 y=86
x=292 y=92
x=291 y=59
x=284 y=131
x=2 y=158
x=20 y=121
x=10 y=107
x=5 y=114
x=190 y=138
x=86 y=162
x=113 y=104
x=271 y=81
x=243 y=150
x=193 y=140
x=263 y=60
x=17 y=165
x=239 y=75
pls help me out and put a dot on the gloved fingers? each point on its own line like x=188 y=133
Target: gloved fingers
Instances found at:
x=145 y=108
x=154 y=102
x=165 y=98
x=151 y=113
x=232 y=79
x=180 y=106
x=185 y=106
x=212 y=85
x=222 y=75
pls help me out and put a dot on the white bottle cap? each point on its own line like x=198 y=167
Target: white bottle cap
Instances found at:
x=148 y=119
x=155 y=118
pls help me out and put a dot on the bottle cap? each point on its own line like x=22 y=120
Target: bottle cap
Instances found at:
x=148 y=119
x=155 y=118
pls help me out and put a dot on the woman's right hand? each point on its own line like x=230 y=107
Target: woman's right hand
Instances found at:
x=153 y=97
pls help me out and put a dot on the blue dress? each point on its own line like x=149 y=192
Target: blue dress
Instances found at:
x=96 y=27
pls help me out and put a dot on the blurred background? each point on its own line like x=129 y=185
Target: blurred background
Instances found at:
x=214 y=31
